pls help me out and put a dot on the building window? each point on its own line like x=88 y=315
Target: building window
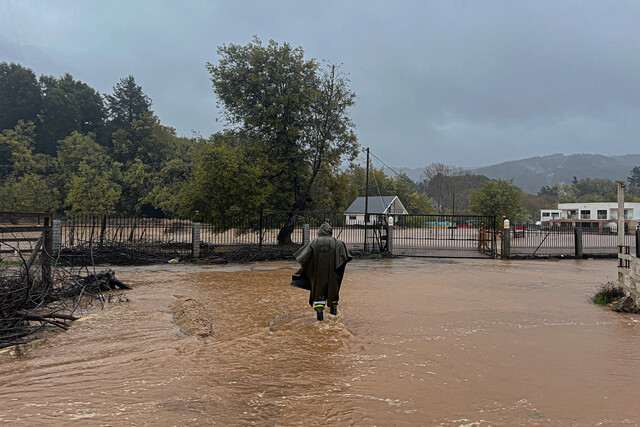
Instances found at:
x=546 y=214
x=602 y=214
x=352 y=217
x=585 y=214
x=572 y=214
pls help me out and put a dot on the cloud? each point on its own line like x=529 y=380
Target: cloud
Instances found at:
x=461 y=82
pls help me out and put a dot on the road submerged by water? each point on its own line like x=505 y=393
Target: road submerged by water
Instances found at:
x=416 y=342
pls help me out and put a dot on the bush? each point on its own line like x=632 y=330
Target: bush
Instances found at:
x=606 y=293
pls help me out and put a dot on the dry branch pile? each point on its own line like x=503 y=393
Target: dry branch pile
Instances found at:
x=113 y=255
x=29 y=304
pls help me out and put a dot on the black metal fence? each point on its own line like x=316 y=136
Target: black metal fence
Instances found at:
x=532 y=241
x=455 y=236
x=145 y=234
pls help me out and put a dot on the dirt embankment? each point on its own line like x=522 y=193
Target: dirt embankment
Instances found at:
x=191 y=317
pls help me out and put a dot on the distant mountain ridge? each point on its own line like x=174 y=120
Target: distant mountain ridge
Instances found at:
x=533 y=173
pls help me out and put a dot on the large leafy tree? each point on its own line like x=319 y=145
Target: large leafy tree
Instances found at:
x=128 y=102
x=497 y=198
x=88 y=178
x=228 y=181
x=68 y=106
x=20 y=96
x=295 y=112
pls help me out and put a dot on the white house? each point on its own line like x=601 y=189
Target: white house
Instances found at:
x=379 y=208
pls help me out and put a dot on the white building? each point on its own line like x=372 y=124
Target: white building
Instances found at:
x=602 y=211
x=378 y=207
x=549 y=214
x=600 y=215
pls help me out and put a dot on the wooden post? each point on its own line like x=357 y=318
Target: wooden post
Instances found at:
x=366 y=202
x=578 y=243
x=620 y=225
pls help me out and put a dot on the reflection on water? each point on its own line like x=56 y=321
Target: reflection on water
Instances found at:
x=473 y=343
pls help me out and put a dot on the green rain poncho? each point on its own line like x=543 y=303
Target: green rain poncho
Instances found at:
x=323 y=262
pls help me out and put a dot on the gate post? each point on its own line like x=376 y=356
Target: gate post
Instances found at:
x=57 y=236
x=306 y=234
x=620 y=224
x=506 y=240
x=195 y=240
x=578 y=243
x=390 y=237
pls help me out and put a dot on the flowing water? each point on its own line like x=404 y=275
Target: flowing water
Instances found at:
x=416 y=342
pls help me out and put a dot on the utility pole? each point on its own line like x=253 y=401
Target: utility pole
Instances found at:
x=366 y=201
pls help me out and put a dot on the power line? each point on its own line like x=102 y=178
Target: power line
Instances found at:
x=386 y=165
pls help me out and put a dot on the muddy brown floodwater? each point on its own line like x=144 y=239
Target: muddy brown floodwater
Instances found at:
x=416 y=342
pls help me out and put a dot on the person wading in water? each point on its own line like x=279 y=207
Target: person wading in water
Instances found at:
x=323 y=262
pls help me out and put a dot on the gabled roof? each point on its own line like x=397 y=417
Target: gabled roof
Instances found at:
x=377 y=205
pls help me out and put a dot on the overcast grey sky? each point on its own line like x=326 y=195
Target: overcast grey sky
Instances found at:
x=469 y=83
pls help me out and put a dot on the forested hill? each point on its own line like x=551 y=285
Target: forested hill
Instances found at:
x=533 y=173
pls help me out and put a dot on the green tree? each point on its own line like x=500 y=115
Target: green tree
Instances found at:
x=295 y=112
x=82 y=161
x=419 y=204
x=634 y=176
x=497 y=198
x=128 y=102
x=20 y=96
x=67 y=106
x=22 y=184
x=228 y=181
x=92 y=192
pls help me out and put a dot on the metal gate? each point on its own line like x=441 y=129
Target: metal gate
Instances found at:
x=445 y=236
x=24 y=236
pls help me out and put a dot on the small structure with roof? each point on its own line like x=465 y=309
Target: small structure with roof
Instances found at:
x=379 y=209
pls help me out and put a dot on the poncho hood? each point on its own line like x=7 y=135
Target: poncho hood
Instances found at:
x=325 y=230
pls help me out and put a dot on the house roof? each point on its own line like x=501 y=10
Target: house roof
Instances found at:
x=377 y=205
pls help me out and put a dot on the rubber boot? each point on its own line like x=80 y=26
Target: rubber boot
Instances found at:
x=319 y=313
x=334 y=309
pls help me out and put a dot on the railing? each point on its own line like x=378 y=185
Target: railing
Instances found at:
x=144 y=234
x=24 y=236
x=456 y=236
x=628 y=265
x=532 y=241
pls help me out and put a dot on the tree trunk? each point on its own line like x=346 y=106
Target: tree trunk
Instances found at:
x=284 y=235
